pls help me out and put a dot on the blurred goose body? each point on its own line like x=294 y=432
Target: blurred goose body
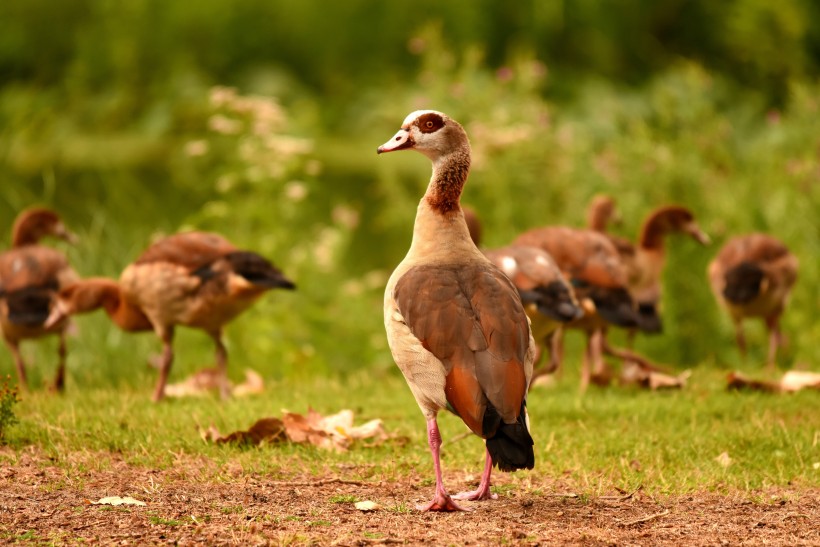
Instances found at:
x=591 y=263
x=195 y=279
x=455 y=323
x=30 y=277
x=752 y=276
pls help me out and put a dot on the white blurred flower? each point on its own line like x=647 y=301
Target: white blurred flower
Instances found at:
x=296 y=190
x=221 y=96
x=196 y=148
x=345 y=216
x=224 y=125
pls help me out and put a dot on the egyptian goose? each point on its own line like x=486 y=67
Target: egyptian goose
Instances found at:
x=194 y=279
x=591 y=263
x=752 y=276
x=30 y=276
x=645 y=261
x=455 y=323
x=548 y=298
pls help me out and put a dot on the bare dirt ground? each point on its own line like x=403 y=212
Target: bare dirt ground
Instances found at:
x=196 y=503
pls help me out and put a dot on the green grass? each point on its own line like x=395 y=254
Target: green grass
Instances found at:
x=609 y=438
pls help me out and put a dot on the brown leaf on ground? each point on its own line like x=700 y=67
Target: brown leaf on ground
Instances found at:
x=794 y=380
x=332 y=432
x=633 y=373
x=116 y=500
x=206 y=381
x=266 y=430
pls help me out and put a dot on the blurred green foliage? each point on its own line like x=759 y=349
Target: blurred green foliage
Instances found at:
x=115 y=113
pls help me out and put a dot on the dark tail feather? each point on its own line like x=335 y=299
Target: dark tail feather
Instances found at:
x=554 y=301
x=615 y=306
x=29 y=307
x=511 y=446
x=259 y=270
x=743 y=283
x=649 y=321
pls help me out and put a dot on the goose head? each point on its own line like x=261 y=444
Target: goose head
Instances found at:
x=34 y=224
x=430 y=132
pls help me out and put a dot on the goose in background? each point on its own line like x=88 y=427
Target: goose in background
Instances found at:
x=590 y=262
x=30 y=277
x=752 y=276
x=194 y=279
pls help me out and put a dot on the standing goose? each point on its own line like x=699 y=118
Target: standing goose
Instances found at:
x=752 y=276
x=455 y=324
x=30 y=277
x=591 y=263
x=195 y=279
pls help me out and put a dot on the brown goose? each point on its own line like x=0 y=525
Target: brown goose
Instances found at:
x=752 y=276
x=645 y=261
x=455 y=324
x=30 y=276
x=548 y=298
x=591 y=263
x=194 y=279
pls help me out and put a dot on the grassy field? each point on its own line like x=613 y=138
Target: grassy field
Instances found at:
x=608 y=439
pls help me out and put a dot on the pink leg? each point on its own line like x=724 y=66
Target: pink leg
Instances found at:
x=21 y=366
x=442 y=500
x=483 y=490
x=585 y=364
x=741 y=339
x=556 y=342
x=222 y=365
x=774 y=342
x=167 y=359
x=59 y=379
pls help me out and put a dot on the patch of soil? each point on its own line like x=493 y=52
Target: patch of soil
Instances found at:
x=196 y=503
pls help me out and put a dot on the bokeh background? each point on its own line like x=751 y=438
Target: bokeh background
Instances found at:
x=259 y=119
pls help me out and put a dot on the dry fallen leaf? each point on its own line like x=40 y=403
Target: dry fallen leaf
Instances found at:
x=116 y=500
x=724 y=460
x=366 y=506
x=335 y=431
x=794 y=380
x=266 y=430
x=633 y=373
x=206 y=380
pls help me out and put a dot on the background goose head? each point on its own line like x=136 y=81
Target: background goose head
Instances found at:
x=36 y=223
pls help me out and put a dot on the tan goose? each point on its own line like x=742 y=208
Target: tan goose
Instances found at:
x=30 y=277
x=455 y=324
x=196 y=279
x=752 y=276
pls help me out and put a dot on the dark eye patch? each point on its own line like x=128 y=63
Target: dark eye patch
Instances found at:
x=429 y=122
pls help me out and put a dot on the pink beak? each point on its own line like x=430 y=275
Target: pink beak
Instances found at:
x=400 y=141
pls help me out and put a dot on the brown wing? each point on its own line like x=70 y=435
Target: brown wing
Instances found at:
x=30 y=278
x=33 y=266
x=582 y=255
x=470 y=317
x=755 y=248
x=191 y=250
